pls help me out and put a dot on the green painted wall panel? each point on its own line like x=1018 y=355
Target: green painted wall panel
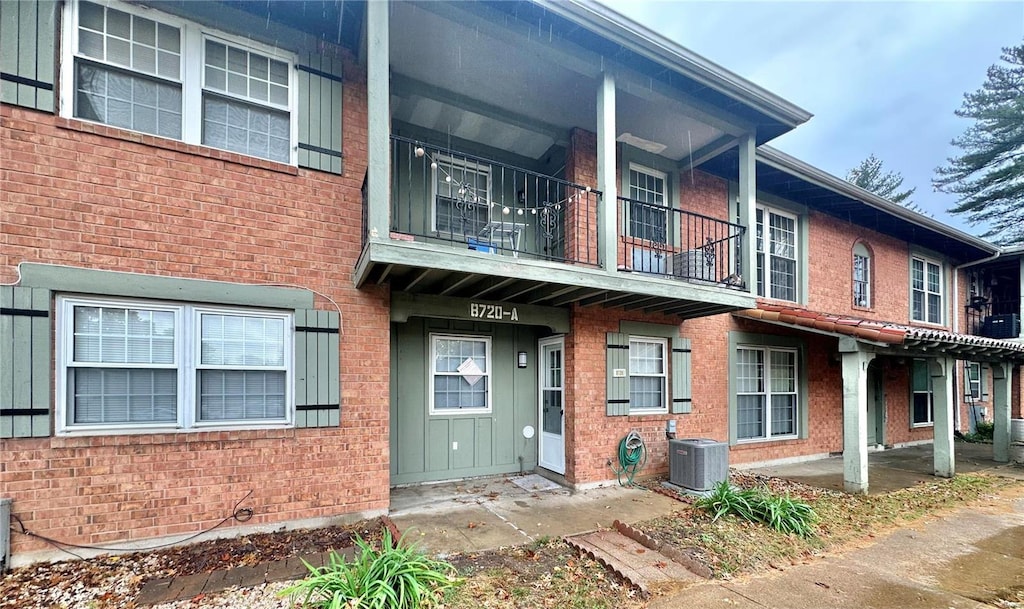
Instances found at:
x=116 y=283
x=463 y=443
x=6 y=358
x=487 y=444
x=484 y=443
x=438 y=445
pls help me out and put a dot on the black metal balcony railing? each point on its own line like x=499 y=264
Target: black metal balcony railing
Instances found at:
x=675 y=243
x=443 y=196
x=992 y=317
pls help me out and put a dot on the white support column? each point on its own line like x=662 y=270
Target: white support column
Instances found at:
x=607 y=213
x=855 y=418
x=748 y=208
x=943 y=394
x=378 y=101
x=1002 y=380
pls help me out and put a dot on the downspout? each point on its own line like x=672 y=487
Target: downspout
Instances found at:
x=956 y=322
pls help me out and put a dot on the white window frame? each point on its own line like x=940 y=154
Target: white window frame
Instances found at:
x=666 y=202
x=768 y=393
x=466 y=166
x=974 y=388
x=926 y=262
x=665 y=363
x=930 y=392
x=861 y=251
x=187 y=342
x=191 y=75
x=432 y=373
x=763 y=250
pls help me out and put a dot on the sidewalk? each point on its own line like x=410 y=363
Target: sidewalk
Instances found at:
x=970 y=558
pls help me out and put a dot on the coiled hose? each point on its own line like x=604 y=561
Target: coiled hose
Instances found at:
x=632 y=457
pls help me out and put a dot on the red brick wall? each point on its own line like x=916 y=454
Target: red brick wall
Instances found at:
x=91 y=196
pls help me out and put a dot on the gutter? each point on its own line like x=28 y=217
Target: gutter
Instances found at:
x=631 y=35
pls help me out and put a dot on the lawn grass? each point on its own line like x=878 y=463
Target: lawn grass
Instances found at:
x=730 y=546
x=549 y=573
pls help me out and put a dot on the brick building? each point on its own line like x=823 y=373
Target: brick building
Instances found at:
x=294 y=254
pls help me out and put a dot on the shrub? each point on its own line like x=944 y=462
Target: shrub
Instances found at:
x=782 y=513
x=984 y=430
x=396 y=576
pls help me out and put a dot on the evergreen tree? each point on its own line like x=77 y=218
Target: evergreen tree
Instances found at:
x=989 y=174
x=869 y=176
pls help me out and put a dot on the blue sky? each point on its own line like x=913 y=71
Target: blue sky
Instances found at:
x=880 y=77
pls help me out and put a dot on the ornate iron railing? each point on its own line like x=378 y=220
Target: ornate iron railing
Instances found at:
x=680 y=244
x=440 y=195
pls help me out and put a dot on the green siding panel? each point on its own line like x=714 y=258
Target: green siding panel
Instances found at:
x=421 y=447
x=137 y=285
x=317 y=368
x=320 y=113
x=25 y=347
x=617 y=351
x=681 y=390
x=28 y=30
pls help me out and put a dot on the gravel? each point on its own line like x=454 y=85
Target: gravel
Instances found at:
x=259 y=597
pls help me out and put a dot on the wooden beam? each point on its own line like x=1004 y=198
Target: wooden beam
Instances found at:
x=421 y=274
x=496 y=286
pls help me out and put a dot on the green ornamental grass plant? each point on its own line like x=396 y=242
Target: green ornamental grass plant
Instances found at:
x=780 y=512
x=396 y=576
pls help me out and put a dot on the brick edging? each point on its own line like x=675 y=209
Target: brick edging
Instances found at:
x=608 y=565
x=671 y=552
x=391 y=527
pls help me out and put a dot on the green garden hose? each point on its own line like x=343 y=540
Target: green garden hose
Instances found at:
x=632 y=457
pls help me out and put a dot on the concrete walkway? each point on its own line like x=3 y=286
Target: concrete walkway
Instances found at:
x=971 y=558
x=489 y=513
x=888 y=470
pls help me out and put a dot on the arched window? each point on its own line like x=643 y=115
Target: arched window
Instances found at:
x=861 y=275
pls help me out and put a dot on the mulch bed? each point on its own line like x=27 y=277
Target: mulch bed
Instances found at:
x=111 y=581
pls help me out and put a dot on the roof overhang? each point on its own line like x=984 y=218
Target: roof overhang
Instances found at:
x=618 y=38
x=888 y=338
x=784 y=176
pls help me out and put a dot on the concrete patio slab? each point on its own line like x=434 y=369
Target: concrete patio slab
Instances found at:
x=484 y=514
x=893 y=469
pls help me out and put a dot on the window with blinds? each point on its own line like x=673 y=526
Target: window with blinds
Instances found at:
x=155 y=366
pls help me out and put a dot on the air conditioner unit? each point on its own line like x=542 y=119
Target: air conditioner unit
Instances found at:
x=697 y=464
x=648 y=261
x=1001 y=326
x=692 y=264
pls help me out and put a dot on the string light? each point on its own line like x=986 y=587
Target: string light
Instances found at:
x=468 y=191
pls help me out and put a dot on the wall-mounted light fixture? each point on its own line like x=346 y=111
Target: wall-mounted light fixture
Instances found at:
x=521 y=359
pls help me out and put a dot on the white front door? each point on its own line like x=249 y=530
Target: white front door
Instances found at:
x=552 y=404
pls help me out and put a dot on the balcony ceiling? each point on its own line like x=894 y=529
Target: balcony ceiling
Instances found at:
x=459 y=72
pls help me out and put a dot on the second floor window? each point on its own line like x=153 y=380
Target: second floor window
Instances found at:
x=648 y=215
x=461 y=196
x=153 y=73
x=776 y=254
x=925 y=291
x=861 y=276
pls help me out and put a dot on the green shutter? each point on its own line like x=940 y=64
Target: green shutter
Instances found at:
x=320 y=93
x=25 y=339
x=28 y=31
x=317 y=383
x=617 y=350
x=681 y=393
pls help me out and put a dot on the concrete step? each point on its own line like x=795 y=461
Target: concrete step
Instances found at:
x=645 y=569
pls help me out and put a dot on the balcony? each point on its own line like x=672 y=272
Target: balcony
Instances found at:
x=452 y=199
x=678 y=244
x=462 y=226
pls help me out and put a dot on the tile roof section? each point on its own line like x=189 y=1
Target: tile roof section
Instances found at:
x=879 y=331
